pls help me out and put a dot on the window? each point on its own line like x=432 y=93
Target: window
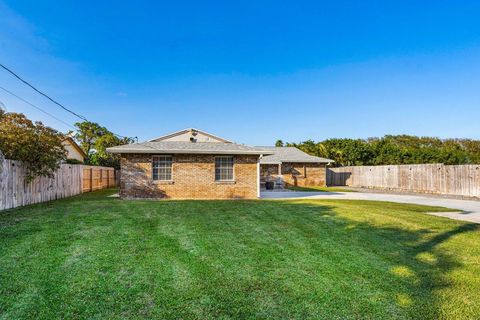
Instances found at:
x=162 y=168
x=223 y=168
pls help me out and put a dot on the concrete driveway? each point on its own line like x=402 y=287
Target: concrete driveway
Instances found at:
x=468 y=210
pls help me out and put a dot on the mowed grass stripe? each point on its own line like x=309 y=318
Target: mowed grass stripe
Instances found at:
x=92 y=256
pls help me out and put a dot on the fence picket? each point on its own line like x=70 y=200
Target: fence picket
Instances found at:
x=69 y=180
x=462 y=180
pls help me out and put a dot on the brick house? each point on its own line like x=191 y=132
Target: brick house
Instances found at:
x=193 y=164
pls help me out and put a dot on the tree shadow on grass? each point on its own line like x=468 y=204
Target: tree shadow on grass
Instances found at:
x=301 y=259
x=417 y=267
x=310 y=258
x=250 y=259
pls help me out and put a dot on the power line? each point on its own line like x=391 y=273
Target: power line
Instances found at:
x=37 y=107
x=43 y=94
x=49 y=98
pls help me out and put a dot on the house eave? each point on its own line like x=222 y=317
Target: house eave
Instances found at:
x=294 y=161
x=76 y=147
x=270 y=162
x=173 y=151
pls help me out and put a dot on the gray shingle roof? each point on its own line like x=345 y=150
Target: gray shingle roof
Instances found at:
x=172 y=147
x=290 y=154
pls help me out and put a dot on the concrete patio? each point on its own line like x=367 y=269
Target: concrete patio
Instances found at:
x=468 y=210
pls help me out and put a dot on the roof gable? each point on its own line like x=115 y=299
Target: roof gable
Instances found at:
x=68 y=141
x=190 y=135
x=189 y=141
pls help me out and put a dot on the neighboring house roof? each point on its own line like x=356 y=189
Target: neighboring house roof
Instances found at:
x=74 y=148
x=290 y=154
x=171 y=147
x=191 y=133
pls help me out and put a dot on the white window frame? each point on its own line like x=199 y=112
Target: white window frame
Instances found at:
x=233 y=169
x=171 y=167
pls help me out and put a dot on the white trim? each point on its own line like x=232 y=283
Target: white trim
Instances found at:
x=258 y=176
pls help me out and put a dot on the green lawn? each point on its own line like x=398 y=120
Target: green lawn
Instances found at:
x=322 y=189
x=96 y=257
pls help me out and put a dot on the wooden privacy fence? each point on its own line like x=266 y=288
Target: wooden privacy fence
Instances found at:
x=463 y=180
x=96 y=178
x=69 y=180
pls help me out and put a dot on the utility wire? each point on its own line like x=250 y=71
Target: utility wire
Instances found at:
x=46 y=96
x=43 y=94
x=37 y=107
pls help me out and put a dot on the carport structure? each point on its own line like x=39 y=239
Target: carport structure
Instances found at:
x=289 y=166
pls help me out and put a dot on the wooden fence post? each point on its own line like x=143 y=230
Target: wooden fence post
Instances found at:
x=461 y=180
x=91 y=179
x=69 y=180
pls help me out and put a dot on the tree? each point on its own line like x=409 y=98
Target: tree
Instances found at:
x=348 y=152
x=95 y=139
x=37 y=146
x=88 y=133
x=279 y=143
x=311 y=147
x=101 y=156
x=394 y=149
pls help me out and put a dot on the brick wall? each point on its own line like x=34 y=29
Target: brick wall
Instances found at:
x=268 y=171
x=296 y=174
x=304 y=174
x=193 y=178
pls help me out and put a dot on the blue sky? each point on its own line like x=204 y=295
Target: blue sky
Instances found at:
x=251 y=71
